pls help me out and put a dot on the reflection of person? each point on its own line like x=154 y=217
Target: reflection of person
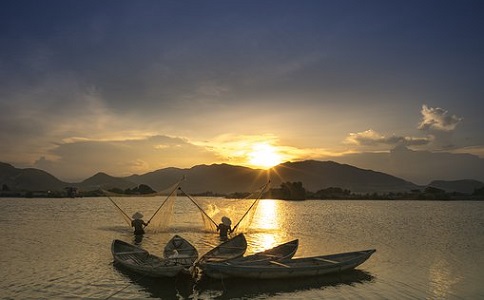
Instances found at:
x=138 y=223
x=225 y=228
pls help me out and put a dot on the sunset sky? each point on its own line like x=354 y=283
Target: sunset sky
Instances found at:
x=128 y=87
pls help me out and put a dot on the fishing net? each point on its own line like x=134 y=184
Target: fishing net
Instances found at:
x=163 y=215
x=211 y=211
x=246 y=220
x=213 y=214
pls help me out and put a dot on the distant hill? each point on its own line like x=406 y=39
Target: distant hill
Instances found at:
x=222 y=178
x=466 y=186
x=316 y=175
x=159 y=179
x=29 y=179
x=216 y=178
x=106 y=182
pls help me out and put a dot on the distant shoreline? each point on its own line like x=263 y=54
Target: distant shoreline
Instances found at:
x=26 y=195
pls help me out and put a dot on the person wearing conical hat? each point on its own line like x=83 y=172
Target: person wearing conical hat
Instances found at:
x=138 y=223
x=225 y=228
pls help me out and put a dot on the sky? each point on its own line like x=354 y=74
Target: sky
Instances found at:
x=129 y=87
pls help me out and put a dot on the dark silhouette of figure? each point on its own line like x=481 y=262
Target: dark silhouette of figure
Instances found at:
x=138 y=223
x=138 y=239
x=225 y=228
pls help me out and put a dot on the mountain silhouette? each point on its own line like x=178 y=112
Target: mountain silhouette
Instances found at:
x=226 y=179
x=29 y=179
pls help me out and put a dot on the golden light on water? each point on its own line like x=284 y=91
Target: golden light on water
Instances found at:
x=442 y=279
x=266 y=221
x=265 y=241
x=267 y=217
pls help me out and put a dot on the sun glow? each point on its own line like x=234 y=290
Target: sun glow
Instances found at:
x=264 y=155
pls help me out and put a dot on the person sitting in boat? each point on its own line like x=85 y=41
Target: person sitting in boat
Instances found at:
x=225 y=228
x=138 y=223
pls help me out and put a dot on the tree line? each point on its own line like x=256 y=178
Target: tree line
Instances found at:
x=296 y=191
x=286 y=191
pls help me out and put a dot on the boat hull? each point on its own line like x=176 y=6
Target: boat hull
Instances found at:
x=292 y=268
x=180 y=251
x=139 y=260
x=230 y=249
x=280 y=252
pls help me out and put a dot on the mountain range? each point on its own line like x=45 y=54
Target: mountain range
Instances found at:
x=226 y=179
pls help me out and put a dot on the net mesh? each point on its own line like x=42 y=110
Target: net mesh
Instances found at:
x=212 y=213
x=208 y=218
x=162 y=217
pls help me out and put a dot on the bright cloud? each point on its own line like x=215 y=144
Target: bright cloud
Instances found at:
x=438 y=119
x=373 y=138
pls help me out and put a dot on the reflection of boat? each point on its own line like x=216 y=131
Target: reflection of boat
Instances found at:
x=278 y=253
x=141 y=261
x=230 y=249
x=244 y=288
x=297 y=267
x=177 y=287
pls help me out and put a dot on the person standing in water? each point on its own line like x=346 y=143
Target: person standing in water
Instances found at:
x=225 y=228
x=138 y=223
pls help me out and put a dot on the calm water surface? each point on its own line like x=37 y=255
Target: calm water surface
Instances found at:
x=60 y=249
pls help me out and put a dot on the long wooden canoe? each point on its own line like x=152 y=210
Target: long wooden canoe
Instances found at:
x=230 y=249
x=296 y=267
x=141 y=261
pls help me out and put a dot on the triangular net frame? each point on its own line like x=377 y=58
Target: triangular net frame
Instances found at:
x=162 y=217
x=211 y=210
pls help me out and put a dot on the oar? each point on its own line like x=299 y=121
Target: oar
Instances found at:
x=279 y=264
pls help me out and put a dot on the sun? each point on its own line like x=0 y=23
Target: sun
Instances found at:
x=264 y=155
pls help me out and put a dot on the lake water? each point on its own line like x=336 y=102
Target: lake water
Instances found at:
x=60 y=249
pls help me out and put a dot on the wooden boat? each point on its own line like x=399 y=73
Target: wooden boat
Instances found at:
x=141 y=261
x=278 y=253
x=230 y=249
x=292 y=268
x=180 y=251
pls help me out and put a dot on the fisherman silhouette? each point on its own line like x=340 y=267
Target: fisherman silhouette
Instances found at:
x=138 y=223
x=225 y=228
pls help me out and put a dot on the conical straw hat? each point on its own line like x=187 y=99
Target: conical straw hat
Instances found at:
x=137 y=215
x=226 y=221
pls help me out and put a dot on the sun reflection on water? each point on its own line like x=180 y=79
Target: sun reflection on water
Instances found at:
x=263 y=242
x=265 y=226
x=442 y=279
x=267 y=215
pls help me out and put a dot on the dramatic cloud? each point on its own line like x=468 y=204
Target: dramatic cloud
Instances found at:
x=373 y=138
x=440 y=125
x=142 y=85
x=437 y=119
